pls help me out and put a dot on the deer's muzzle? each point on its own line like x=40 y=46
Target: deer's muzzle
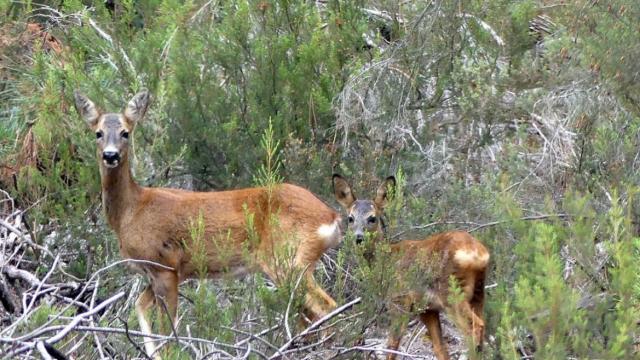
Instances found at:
x=111 y=158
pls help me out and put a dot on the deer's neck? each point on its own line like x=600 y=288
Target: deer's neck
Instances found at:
x=119 y=193
x=370 y=251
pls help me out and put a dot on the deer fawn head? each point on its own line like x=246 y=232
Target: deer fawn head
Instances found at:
x=112 y=129
x=364 y=216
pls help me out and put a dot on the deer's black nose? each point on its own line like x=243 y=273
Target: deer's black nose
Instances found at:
x=111 y=156
x=359 y=238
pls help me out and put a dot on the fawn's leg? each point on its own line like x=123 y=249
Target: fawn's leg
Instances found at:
x=395 y=335
x=477 y=306
x=431 y=319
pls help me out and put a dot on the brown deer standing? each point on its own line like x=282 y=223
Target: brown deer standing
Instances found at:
x=154 y=224
x=455 y=253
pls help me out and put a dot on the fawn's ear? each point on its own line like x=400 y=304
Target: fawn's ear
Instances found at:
x=87 y=109
x=385 y=191
x=342 y=191
x=137 y=107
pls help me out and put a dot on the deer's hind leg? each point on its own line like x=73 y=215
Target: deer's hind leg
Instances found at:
x=395 y=336
x=431 y=319
x=477 y=306
x=467 y=314
x=317 y=302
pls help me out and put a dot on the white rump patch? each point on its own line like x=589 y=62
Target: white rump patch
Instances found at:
x=330 y=233
x=471 y=258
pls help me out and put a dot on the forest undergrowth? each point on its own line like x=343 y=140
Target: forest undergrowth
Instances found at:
x=517 y=121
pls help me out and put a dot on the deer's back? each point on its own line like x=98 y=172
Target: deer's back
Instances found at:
x=164 y=226
x=453 y=253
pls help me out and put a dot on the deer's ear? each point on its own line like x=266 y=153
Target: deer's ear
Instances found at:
x=342 y=191
x=137 y=107
x=87 y=109
x=385 y=191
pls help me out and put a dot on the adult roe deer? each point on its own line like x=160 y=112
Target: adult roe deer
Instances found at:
x=454 y=254
x=154 y=224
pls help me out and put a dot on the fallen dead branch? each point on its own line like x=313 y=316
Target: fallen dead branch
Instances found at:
x=371 y=349
x=25 y=238
x=25 y=340
x=108 y=330
x=315 y=325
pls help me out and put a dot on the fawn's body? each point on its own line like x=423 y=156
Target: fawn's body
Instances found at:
x=441 y=256
x=243 y=230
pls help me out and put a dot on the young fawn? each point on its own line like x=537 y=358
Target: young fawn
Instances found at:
x=154 y=224
x=453 y=254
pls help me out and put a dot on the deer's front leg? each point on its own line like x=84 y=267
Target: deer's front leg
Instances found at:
x=144 y=302
x=165 y=288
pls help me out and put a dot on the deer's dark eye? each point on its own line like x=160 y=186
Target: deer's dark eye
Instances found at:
x=350 y=219
x=372 y=219
x=99 y=134
x=124 y=134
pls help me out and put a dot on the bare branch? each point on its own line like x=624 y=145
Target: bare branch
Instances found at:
x=313 y=326
x=377 y=349
x=24 y=238
x=43 y=352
